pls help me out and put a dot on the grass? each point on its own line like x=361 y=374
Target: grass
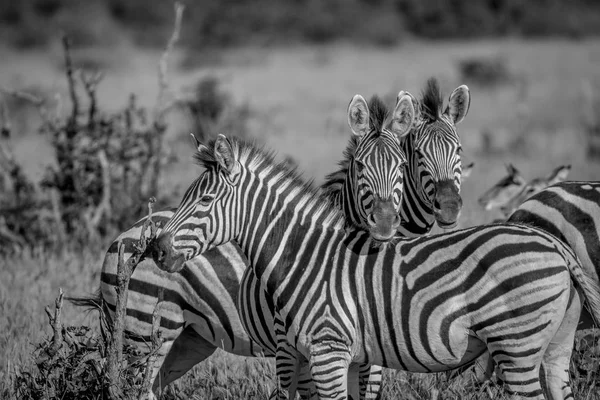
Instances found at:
x=298 y=98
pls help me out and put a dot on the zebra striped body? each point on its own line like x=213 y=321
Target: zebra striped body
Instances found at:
x=426 y=304
x=211 y=281
x=571 y=212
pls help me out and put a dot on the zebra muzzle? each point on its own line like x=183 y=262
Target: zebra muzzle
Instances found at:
x=163 y=254
x=447 y=204
x=384 y=220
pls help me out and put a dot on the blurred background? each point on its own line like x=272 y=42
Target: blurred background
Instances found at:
x=91 y=128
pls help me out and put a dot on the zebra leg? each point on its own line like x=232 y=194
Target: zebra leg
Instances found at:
x=306 y=389
x=555 y=364
x=188 y=350
x=518 y=359
x=355 y=389
x=329 y=362
x=370 y=381
x=287 y=364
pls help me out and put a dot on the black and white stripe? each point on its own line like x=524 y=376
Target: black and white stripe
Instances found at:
x=571 y=212
x=202 y=299
x=427 y=304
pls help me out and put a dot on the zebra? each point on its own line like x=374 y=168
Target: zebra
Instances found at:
x=202 y=298
x=433 y=174
x=570 y=211
x=340 y=297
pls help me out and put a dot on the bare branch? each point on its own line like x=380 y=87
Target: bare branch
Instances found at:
x=124 y=272
x=156 y=345
x=57 y=215
x=90 y=84
x=38 y=102
x=115 y=347
x=29 y=97
x=56 y=324
x=71 y=81
x=163 y=84
x=104 y=206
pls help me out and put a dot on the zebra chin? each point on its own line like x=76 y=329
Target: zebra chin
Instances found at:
x=382 y=237
x=447 y=220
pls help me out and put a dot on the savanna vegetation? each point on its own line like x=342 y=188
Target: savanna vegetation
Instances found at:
x=91 y=130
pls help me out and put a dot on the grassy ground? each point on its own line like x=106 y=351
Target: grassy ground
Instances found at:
x=298 y=98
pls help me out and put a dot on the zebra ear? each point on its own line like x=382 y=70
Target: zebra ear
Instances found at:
x=403 y=116
x=458 y=104
x=196 y=142
x=415 y=102
x=358 y=115
x=225 y=155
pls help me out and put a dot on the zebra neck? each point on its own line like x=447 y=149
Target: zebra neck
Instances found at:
x=277 y=220
x=416 y=212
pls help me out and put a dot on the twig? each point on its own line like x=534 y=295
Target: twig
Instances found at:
x=115 y=347
x=90 y=84
x=104 y=206
x=29 y=97
x=163 y=84
x=124 y=272
x=156 y=345
x=55 y=323
x=57 y=215
x=6 y=128
x=38 y=102
x=71 y=81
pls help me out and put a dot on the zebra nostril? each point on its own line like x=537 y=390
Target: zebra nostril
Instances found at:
x=436 y=205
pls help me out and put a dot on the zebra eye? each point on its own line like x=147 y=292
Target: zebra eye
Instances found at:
x=206 y=200
x=459 y=150
x=359 y=166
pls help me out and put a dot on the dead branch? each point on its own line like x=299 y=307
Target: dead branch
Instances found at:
x=124 y=272
x=29 y=97
x=57 y=215
x=90 y=84
x=163 y=84
x=104 y=206
x=115 y=347
x=156 y=345
x=56 y=324
x=148 y=223
x=6 y=128
x=38 y=102
x=71 y=81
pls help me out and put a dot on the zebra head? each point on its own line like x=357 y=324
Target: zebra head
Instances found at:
x=373 y=185
x=195 y=228
x=504 y=190
x=434 y=152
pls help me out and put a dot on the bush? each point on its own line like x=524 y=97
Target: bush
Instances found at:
x=107 y=166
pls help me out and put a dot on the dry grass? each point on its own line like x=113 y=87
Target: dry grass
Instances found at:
x=298 y=98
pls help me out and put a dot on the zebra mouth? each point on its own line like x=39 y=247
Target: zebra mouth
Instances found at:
x=446 y=225
x=382 y=238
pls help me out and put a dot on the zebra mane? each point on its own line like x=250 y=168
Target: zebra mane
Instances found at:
x=432 y=101
x=253 y=156
x=378 y=113
x=332 y=187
